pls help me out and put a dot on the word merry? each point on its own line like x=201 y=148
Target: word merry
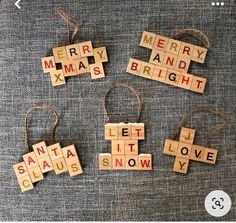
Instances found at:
x=44 y=159
x=184 y=150
x=169 y=62
x=124 y=142
x=74 y=60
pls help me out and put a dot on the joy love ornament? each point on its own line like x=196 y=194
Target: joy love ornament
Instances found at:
x=45 y=158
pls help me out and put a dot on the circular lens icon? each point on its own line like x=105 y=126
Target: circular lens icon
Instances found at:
x=217 y=203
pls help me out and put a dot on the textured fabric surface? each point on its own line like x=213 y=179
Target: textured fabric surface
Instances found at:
x=30 y=33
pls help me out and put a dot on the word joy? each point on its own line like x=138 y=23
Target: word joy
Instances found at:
x=74 y=61
x=184 y=150
x=124 y=142
x=169 y=62
x=44 y=159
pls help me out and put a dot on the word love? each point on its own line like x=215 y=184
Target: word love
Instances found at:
x=184 y=150
x=169 y=62
x=124 y=142
x=74 y=61
x=44 y=159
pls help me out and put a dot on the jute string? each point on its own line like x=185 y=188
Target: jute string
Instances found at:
x=135 y=93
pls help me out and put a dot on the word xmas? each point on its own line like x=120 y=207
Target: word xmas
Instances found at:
x=169 y=62
x=74 y=61
x=184 y=150
x=45 y=159
x=124 y=141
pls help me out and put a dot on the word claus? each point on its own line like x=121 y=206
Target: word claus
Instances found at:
x=124 y=142
x=74 y=61
x=44 y=159
x=184 y=150
x=169 y=62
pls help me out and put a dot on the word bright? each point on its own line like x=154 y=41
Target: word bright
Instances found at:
x=184 y=150
x=44 y=159
x=74 y=61
x=124 y=141
x=169 y=62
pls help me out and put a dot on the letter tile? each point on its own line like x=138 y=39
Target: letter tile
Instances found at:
x=86 y=49
x=173 y=46
x=169 y=61
x=74 y=168
x=172 y=77
x=185 y=81
x=69 y=68
x=145 y=162
x=59 y=54
x=181 y=165
x=25 y=183
x=147 y=40
x=131 y=147
x=160 y=43
x=45 y=164
x=70 y=153
x=36 y=174
x=159 y=74
x=182 y=64
x=55 y=151
x=57 y=77
x=82 y=65
x=171 y=147
x=186 y=50
x=105 y=161
x=97 y=70
x=197 y=153
x=118 y=162
x=157 y=57
x=134 y=66
x=100 y=54
x=20 y=169
x=198 y=84
x=138 y=131
x=199 y=54
x=184 y=150
x=48 y=64
x=132 y=162
x=210 y=155
x=111 y=131
x=59 y=165
x=73 y=51
x=147 y=70
x=187 y=135
x=124 y=131
x=30 y=160
x=40 y=149
x=118 y=147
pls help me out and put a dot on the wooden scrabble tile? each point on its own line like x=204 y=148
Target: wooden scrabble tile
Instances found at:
x=210 y=155
x=97 y=70
x=73 y=51
x=59 y=54
x=57 y=77
x=145 y=162
x=186 y=50
x=131 y=147
x=169 y=60
x=59 y=165
x=100 y=54
x=172 y=77
x=131 y=162
x=159 y=74
x=181 y=165
x=20 y=169
x=82 y=65
x=138 y=131
x=185 y=81
x=45 y=164
x=198 y=84
x=118 y=147
x=25 y=183
x=187 y=135
x=40 y=149
x=184 y=150
x=69 y=68
x=70 y=153
x=173 y=46
x=160 y=43
x=111 y=131
x=199 y=54
x=147 y=70
x=157 y=57
x=35 y=174
x=86 y=49
x=170 y=147
x=147 y=40
x=124 y=131
x=134 y=66
x=74 y=168
x=105 y=161
x=182 y=64
x=118 y=162
x=48 y=64
x=55 y=151
x=30 y=160
x=197 y=153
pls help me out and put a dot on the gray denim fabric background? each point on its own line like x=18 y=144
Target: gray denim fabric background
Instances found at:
x=30 y=33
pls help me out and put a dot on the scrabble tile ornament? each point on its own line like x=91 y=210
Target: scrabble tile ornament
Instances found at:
x=169 y=62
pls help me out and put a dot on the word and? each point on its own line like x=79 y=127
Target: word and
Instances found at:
x=184 y=150
x=44 y=159
x=169 y=62
x=74 y=61
x=124 y=142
